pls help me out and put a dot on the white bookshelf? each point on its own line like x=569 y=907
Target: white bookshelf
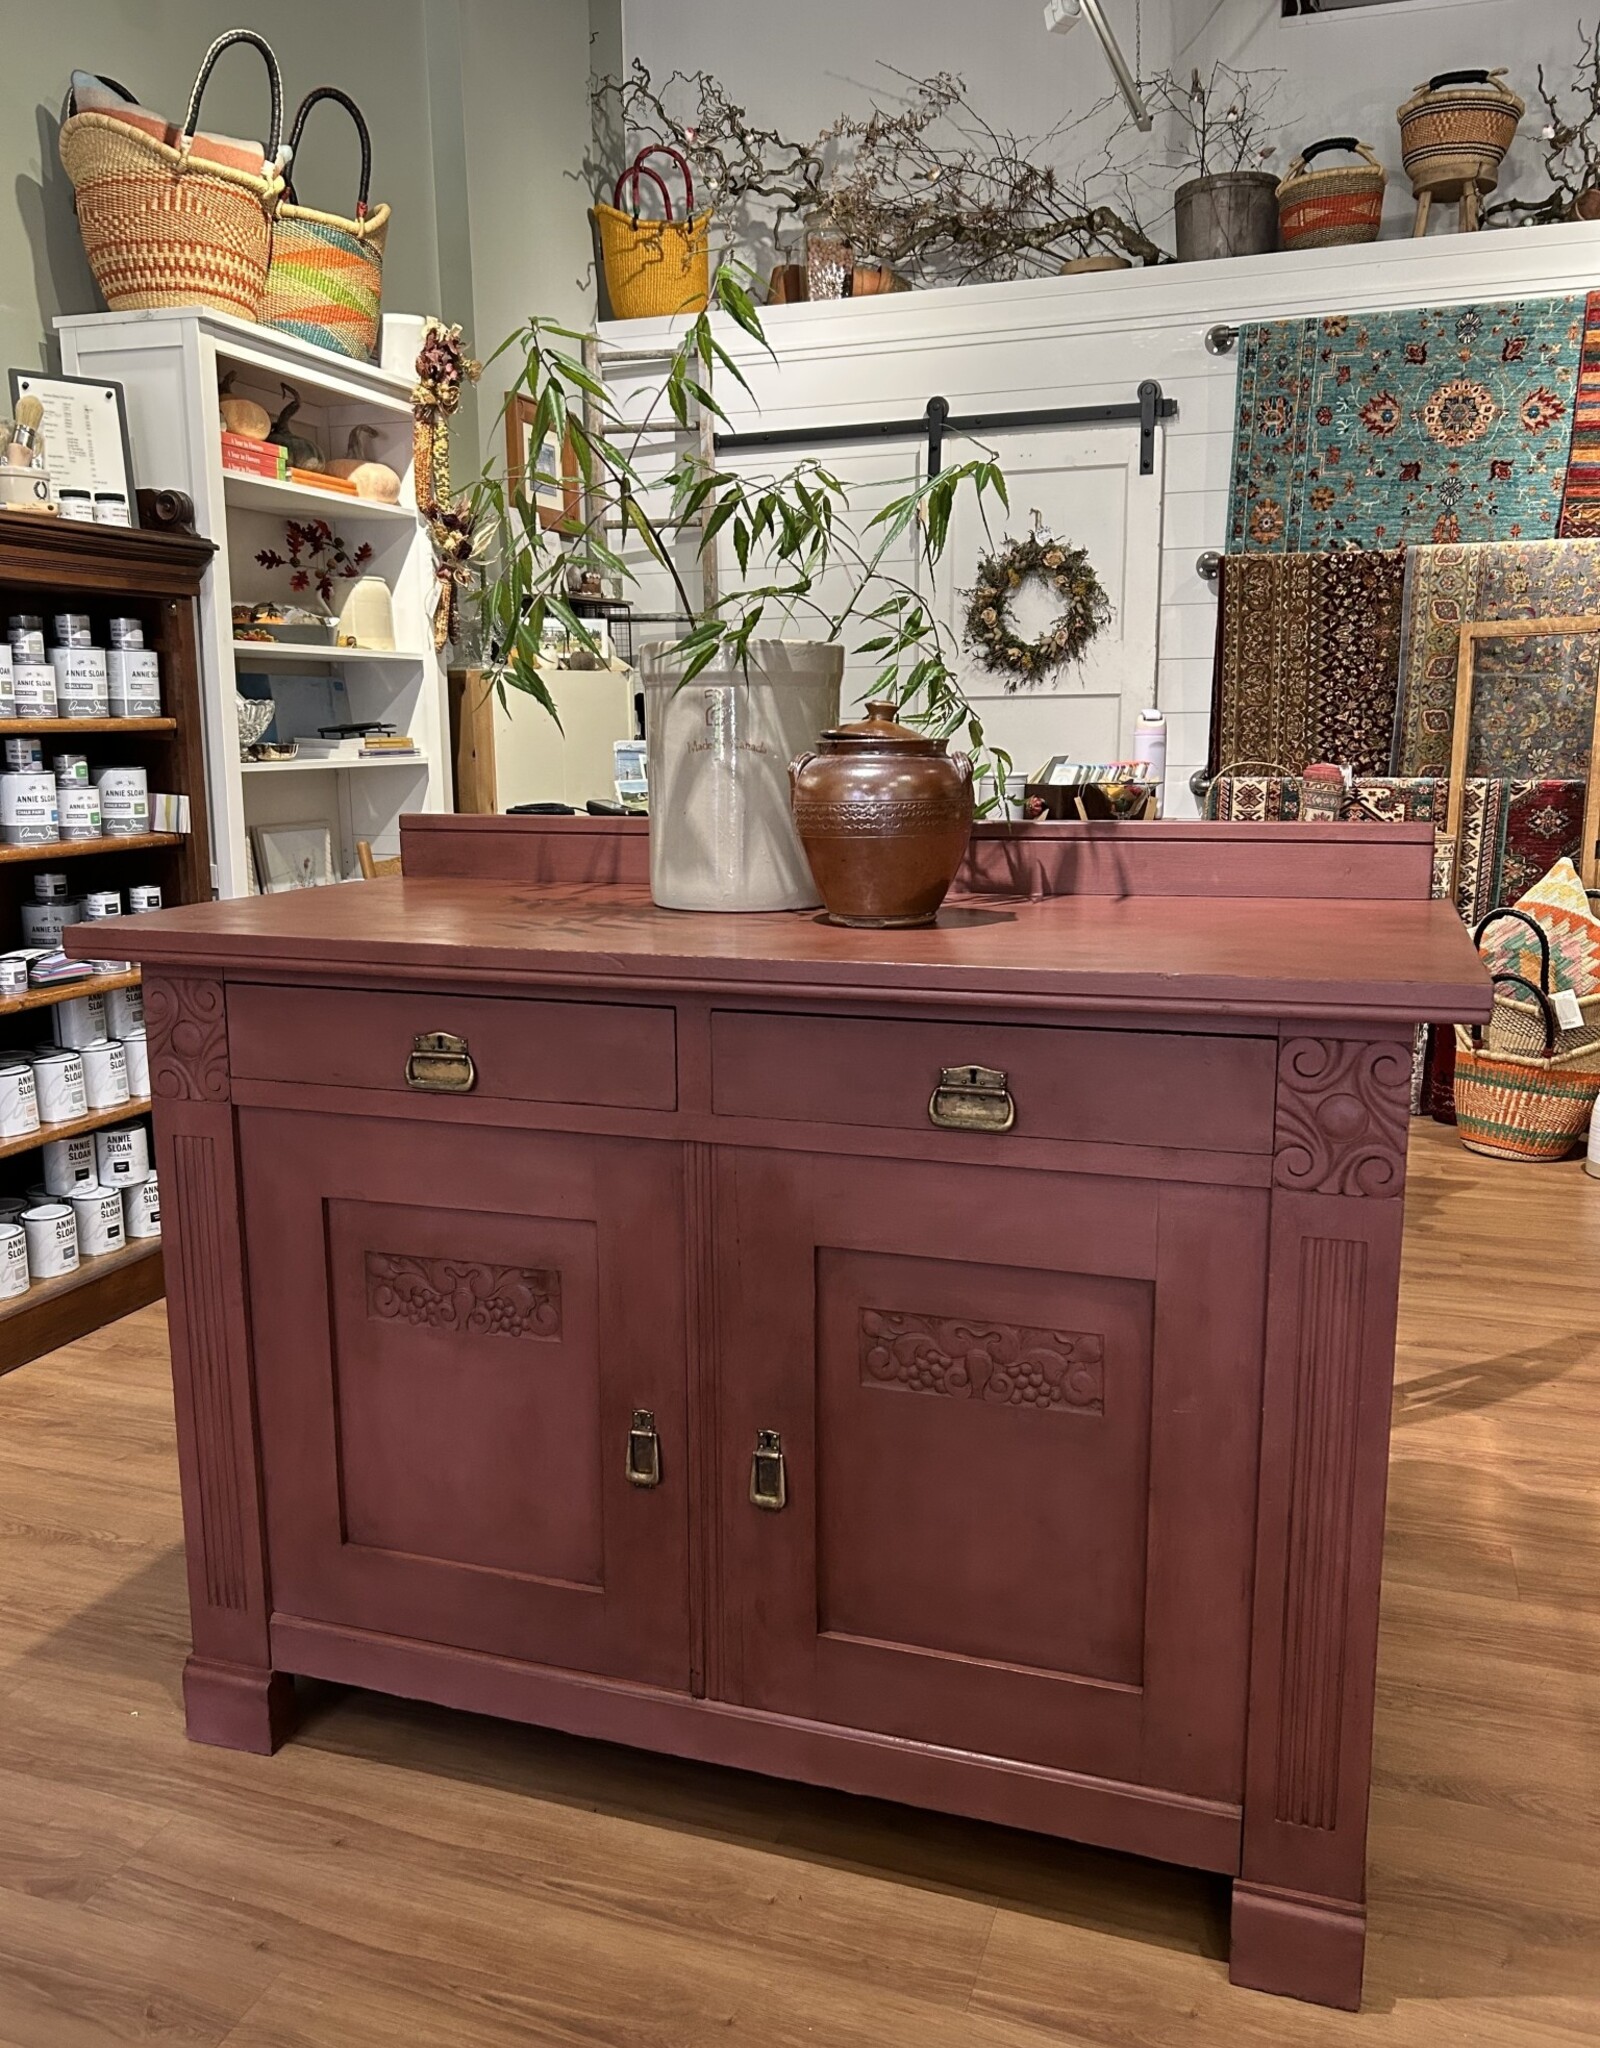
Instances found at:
x=169 y=365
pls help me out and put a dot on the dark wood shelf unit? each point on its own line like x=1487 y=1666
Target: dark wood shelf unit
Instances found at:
x=48 y=566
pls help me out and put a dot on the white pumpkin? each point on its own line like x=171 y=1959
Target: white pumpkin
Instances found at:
x=371 y=479
x=242 y=415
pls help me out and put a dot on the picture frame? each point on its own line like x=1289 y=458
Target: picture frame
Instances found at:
x=555 y=507
x=297 y=855
x=85 y=430
x=1473 y=634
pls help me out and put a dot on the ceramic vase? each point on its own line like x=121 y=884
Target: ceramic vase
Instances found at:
x=884 y=815
x=722 y=836
x=367 y=618
x=1230 y=213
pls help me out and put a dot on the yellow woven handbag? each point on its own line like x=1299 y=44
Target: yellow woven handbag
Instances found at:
x=654 y=267
x=164 y=223
x=326 y=278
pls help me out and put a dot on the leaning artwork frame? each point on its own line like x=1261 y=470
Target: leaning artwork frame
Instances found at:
x=1474 y=633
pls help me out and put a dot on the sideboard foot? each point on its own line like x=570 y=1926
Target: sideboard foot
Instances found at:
x=234 y=1707
x=1297 y=1946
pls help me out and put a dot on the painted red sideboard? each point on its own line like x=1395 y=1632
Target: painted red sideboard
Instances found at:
x=950 y=1365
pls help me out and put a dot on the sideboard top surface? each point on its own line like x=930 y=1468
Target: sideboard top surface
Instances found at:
x=1388 y=961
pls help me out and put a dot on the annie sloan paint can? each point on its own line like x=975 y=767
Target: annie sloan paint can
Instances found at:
x=125 y=632
x=143 y=896
x=70 y=768
x=78 y=811
x=141 y=1208
x=28 y=809
x=58 y=1080
x=98 y=1214
x=81 y=685
x=34 y=689
x=70 y=1163
x=124 y=801
x=52 y=1236
x=121 y=1153
x=124 y=1013
x=133 y=682
x=13 y=974
x=100 y=906
x=13 y=1261
x=43 y=923
x=136 y=1050
x=19 y=1100
x=105 y=1074
x=25 y=631
x=80 y=1021
x=24 y=756
x=51 y=885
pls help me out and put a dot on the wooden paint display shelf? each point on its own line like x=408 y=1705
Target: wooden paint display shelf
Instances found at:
x=47 y=998
x=87 y=1273
x=50 y=725
x=96 y=1120
x=75 y=849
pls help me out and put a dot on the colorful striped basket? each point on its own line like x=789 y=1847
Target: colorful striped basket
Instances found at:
x=326 y=279
x=163 y=226
x=1516 y=1105
x=1331 y=209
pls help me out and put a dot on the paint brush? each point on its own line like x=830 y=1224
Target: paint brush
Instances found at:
x=25 y=451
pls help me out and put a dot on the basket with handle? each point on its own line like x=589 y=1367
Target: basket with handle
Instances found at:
x=163 y=226
x=1519 y=1105
x=654 y=267
x=326 y=277
x=1329 y=209
x=1517 y=1024
x=1455 y=130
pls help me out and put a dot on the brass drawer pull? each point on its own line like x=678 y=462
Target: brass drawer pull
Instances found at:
x=644 y=1450
x=972 y=1099
x=769 y=1486
x=440 y=1064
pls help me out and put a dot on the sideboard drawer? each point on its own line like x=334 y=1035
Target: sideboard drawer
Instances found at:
x=616 y=1055
x=1107 y=1087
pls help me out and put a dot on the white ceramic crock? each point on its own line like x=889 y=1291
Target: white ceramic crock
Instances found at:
x=722 y=835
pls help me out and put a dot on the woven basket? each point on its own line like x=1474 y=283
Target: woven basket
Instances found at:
x=326 y=277
x=654 y=267
x=1455 y=130
x=1513 y=1105
x=1518 y=1022
x=1331 y=209
x=162 y=227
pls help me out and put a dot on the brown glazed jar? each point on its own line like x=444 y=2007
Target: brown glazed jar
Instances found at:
x=884 y=814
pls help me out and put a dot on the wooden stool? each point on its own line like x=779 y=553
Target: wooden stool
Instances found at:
x=1466 y=197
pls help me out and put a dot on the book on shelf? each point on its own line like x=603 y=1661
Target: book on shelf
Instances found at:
x=246 y=457
x=320 y=480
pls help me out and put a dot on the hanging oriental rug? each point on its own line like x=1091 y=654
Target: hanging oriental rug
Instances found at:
x=1308 y=660
x=1442 y=424
x=1446 y=588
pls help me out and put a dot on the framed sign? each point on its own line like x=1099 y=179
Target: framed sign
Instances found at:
x=535 y=470
x=1530 y=702
x=85 y=431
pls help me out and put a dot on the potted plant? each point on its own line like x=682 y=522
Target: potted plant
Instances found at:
x=755 y=679
x=1230 y=207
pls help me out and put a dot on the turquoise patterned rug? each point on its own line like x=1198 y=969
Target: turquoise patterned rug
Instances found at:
x=1371 y=429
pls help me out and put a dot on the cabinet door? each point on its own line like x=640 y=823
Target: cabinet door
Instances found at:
x=1018 y=1415
x=453 y=1329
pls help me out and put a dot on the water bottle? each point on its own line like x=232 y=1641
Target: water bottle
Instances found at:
x=1150 y=745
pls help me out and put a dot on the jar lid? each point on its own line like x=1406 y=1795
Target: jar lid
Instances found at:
x=881 y=729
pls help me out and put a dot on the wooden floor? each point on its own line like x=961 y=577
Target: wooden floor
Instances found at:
x=417 y=1879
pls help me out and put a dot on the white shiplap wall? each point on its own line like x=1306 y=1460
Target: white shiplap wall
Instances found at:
x=1091 y=339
